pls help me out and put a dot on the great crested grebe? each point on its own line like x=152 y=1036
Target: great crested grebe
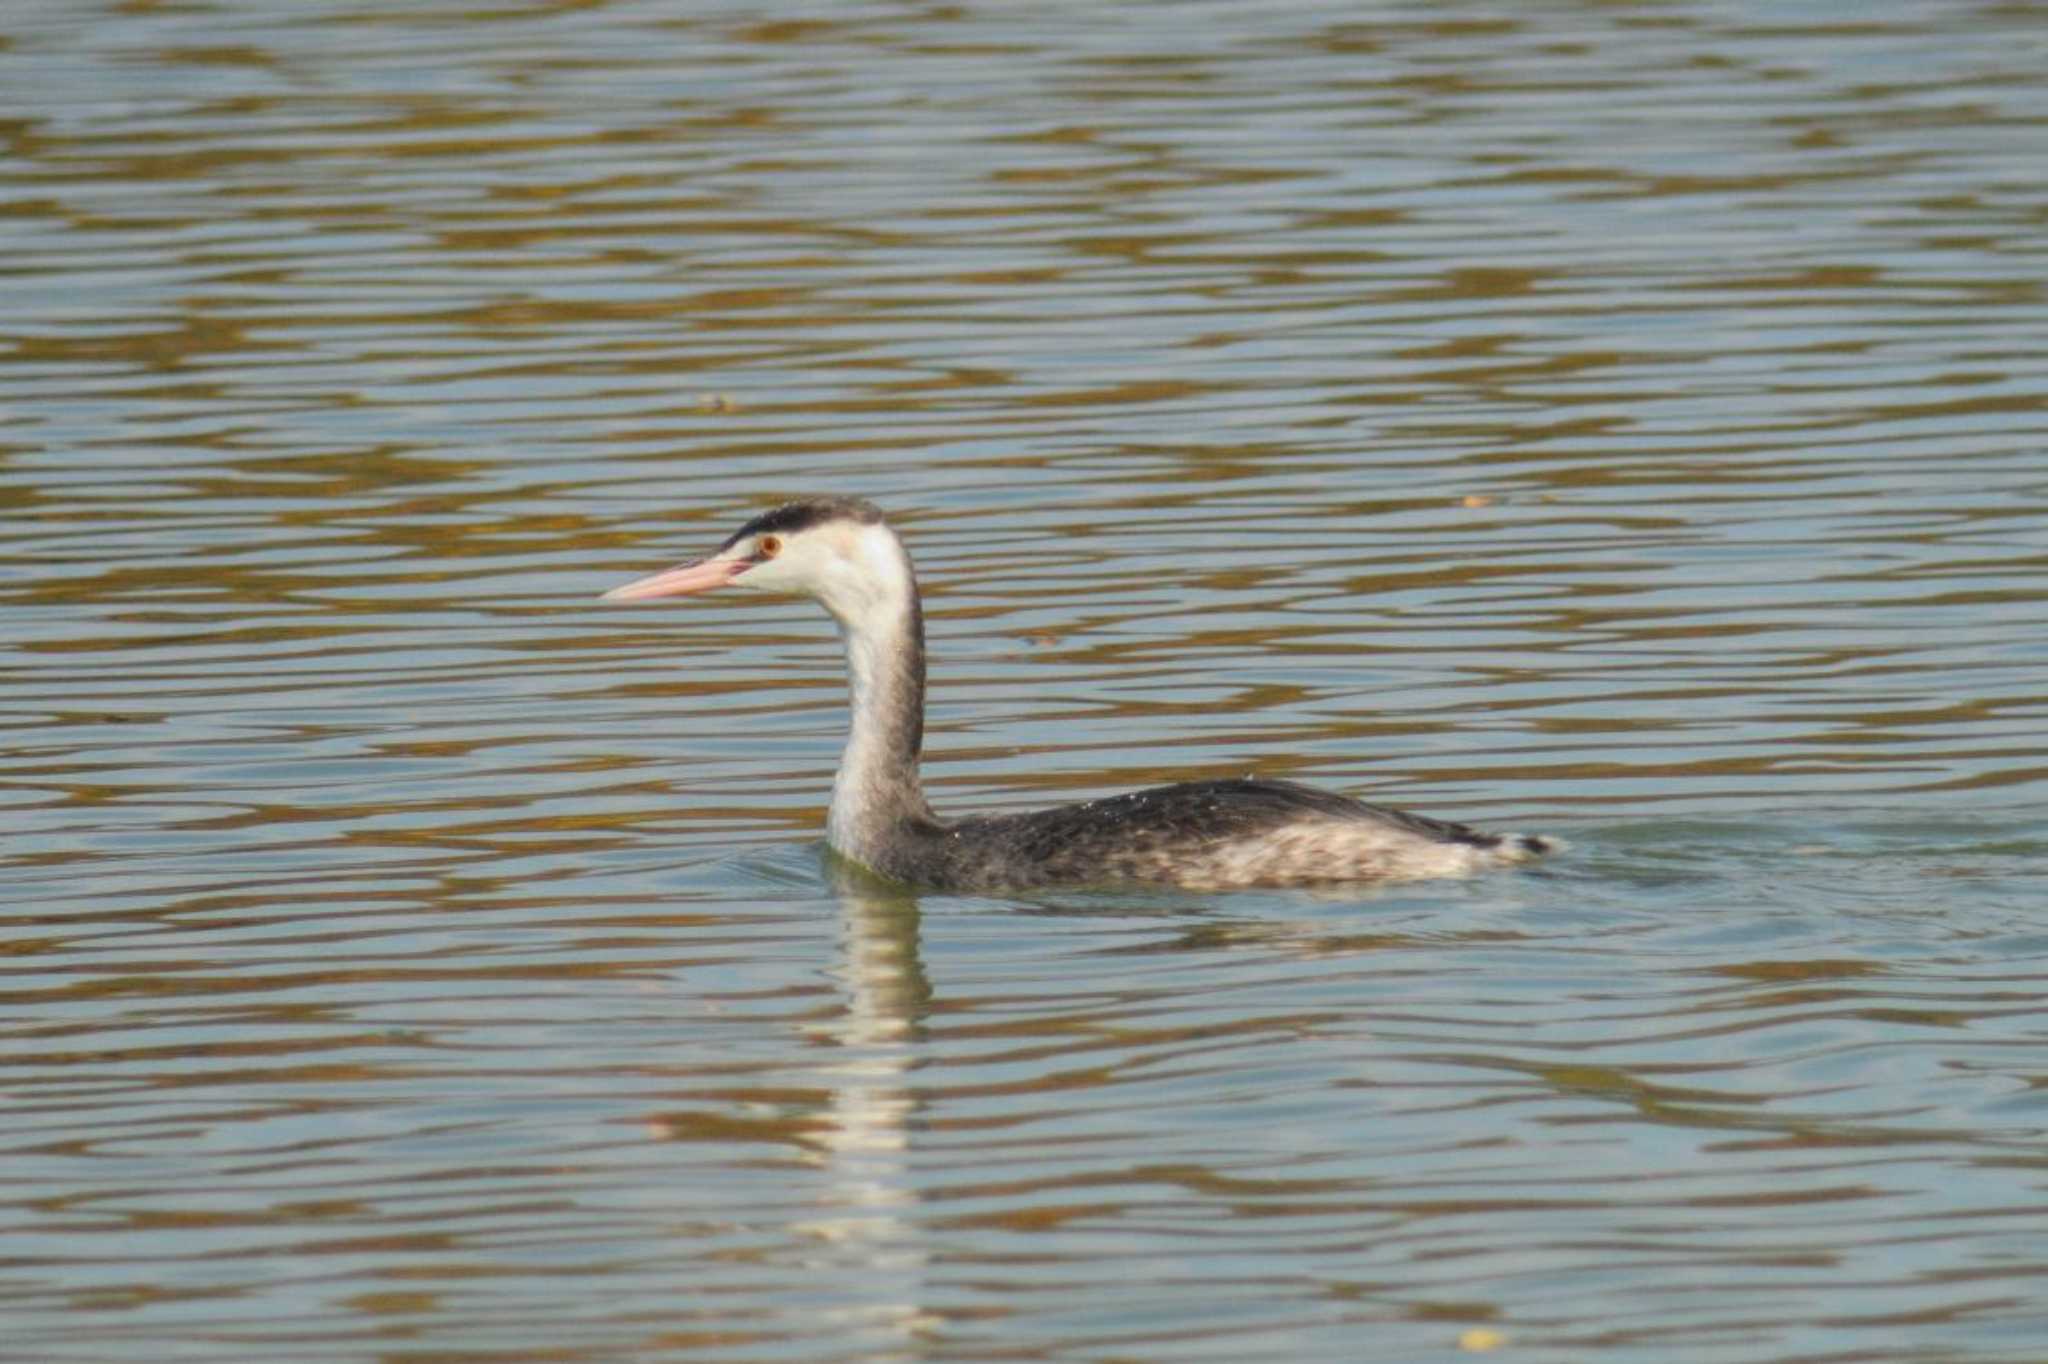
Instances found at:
x=1199 y=835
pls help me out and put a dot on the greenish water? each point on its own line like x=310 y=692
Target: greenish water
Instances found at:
x=1624 y=422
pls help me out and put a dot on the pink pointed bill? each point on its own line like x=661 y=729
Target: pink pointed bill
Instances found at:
x=701 y=576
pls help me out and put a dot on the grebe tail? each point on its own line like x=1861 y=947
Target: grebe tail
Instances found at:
x=1202 y=835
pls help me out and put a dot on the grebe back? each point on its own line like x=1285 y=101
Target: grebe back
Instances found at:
x=1202 y=835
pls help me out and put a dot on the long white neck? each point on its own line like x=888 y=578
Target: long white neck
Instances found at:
x=882 y=624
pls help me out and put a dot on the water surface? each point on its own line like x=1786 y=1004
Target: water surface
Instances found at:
x=1623 y=421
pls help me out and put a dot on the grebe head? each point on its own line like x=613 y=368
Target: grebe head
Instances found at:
x=838 y=550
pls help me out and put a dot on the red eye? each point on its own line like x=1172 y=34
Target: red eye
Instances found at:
x=768 y=546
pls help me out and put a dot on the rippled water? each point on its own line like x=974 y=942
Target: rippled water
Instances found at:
x=1620 y=420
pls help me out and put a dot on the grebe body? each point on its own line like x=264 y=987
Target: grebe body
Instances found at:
x=1204 y=835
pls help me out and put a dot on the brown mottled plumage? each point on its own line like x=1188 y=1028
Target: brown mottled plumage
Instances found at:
x=1208 y=835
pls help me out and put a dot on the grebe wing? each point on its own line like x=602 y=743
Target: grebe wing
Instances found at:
x=1144 y=834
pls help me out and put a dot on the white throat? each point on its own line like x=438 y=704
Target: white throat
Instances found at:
x=872 y=593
